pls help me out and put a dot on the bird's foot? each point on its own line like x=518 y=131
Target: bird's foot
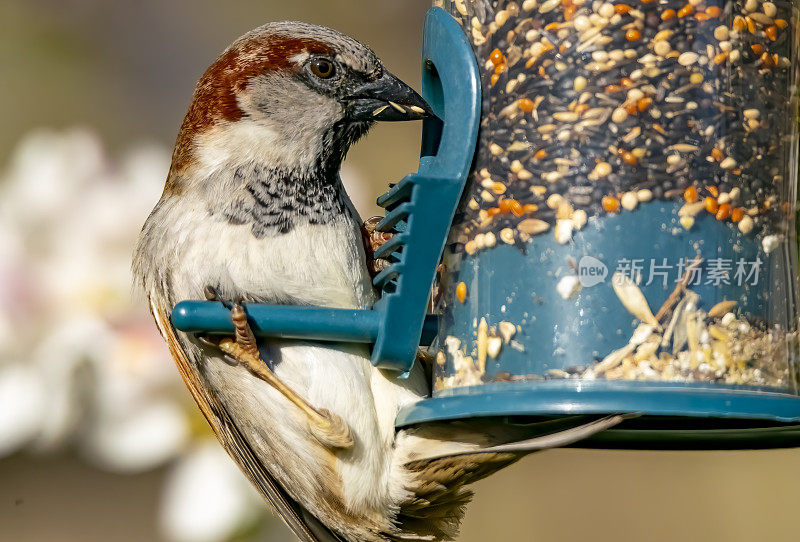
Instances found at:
x=328 y=428
x=373 y=240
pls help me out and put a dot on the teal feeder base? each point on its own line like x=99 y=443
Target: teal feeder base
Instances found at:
x=673 y=416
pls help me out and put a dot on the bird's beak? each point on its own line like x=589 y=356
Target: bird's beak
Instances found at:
x=386 y=98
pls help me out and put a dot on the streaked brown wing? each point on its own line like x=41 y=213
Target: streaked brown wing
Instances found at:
x=302 y=523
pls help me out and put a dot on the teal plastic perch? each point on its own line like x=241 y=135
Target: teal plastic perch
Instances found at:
x=291 y=322
x=419 y=211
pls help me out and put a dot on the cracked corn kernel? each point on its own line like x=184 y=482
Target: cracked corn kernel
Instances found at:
x=610 y=204
x=509 y=205
x=525 y=104
x=629 y=158
x=497 y=57
x=724 y=211
x=461 y=292
x=771 y=32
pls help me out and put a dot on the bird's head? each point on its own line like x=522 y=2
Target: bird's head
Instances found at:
x=291 y=95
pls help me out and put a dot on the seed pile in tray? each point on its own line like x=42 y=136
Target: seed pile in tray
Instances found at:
x=680 y=343
x=596 y=107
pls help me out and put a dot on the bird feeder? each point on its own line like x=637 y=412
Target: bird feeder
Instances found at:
x=618 y=236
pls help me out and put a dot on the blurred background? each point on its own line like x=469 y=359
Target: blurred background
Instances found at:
x=98 y=438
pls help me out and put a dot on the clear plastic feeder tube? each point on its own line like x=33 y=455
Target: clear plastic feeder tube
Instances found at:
x=631 y=210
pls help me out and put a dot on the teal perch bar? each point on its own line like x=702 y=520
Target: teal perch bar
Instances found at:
x=290 y=322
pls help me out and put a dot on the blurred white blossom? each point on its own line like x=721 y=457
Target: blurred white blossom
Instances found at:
x=206 y=497
x=81 y=363
x=22 y=406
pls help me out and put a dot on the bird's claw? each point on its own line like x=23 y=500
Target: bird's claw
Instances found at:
x=373 y=240
x=210 y=293
x=329 y=428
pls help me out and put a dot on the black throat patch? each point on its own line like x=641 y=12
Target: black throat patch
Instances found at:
x=274 y=201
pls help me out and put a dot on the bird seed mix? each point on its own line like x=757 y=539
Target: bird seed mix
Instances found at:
x=594 y=108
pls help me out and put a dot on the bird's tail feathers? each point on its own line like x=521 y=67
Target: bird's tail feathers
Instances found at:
x=468 y=439
x=439 y=461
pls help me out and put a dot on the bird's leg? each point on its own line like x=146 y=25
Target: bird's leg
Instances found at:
x=373 y=240
x=326 y=426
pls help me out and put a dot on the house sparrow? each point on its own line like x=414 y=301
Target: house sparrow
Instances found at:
x=253 y=211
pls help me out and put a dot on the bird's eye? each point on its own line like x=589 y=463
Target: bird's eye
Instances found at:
x=322 y=68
